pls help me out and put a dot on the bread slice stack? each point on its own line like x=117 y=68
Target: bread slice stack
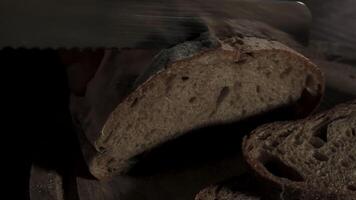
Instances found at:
x=227 y=75
x=309 y=159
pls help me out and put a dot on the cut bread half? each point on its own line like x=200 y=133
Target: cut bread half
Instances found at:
x=223 y=76
x=314 y=158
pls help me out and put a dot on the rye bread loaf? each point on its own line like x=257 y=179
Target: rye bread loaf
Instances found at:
x=313 y=158
x=229 y=74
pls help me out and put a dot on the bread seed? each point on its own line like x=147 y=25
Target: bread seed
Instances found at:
x=286 y=72
x=298 y=140
x=345 y=163
x=316 y=142
x=268 y=74
x=319 y=156
x=281 y=151
x=285 y=134
x=185 y=78
x=111 y=161
x=169 y=82
x=192 y=100
x=250 y=147
x=224 y=92
x=237 y=85
x=258 y=89
x=333 y=150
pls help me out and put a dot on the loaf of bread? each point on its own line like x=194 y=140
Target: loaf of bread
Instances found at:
x=232 y=73
x=313 y=158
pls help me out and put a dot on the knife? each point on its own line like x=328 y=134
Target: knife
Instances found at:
x=133 y=23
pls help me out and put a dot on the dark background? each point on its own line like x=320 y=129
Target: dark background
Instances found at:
x=37 y=125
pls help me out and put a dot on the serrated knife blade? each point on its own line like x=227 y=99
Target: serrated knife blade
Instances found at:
x=132 y=23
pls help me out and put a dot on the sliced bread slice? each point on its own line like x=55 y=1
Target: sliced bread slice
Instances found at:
x=223 y=193
x=227 y=75
x=314 y=158
x=45 y=184
x=243 y=187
